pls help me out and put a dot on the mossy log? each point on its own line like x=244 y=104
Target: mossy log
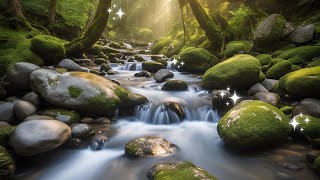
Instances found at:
x=93 y=32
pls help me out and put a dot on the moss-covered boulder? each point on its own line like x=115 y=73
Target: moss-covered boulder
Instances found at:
x=236 y=47
x=67 y=116
x=178 y=171
x=303 y=83
x=148 y=146
x=314 y=62
x=84 y=92
x=265 y=59
x=159 y=60
x=280 y=69
x=175 y=85
x=161 y=45
x=301 y=54
x=49 y=48
x=7 y=165
x=253 y=124
x=269 y=32
x=152 y=66
x=311 y=128
x=15 y=47
x=238 y=72
x=5 y=133
x=196 y=60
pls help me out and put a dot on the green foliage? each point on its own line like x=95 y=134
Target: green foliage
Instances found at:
x=253 y=124
x=234 y=47
x=196 y=60
x=280 y=69
x=74 y=91
x=49 y=48
x=238 y=72
x=15 y=47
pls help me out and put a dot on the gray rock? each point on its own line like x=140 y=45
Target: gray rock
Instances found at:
x=4 y=124
x=37 y=136
x=162 y=75
x=64 y=118
x=149 y=146
x=101 y=120
x=6 y=112
x=11 y=99
x=143 y=73
x=87 y=120
x=71 y=66
x=256 y=88
x=23 y=109
x=269 y=84
x=19 y=75
x=303 y=34
x=98 y=141
x=74 y=143
x=83 y=92
x=177 y=108
x=289 y=28
x=33 y=98
x=38 y=117
x=309 y=107
x=268 y=97
x=82 y=131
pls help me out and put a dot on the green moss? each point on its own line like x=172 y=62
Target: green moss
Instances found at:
x=95 y=50
x=196 y=60
x=265 y=59
x=139 y=58
x=106 y=103
x=282 y=49
x=253 y=124
x=287 y=110
x=49 y=48
x=161 y=45
x=262 y=76
x=131 y=150
x=159 y=60
x=314 y=62
x=7 y=164
x=238 y=72
x=280 y=69
x=316 y=164
x=74 y=91
x=301 y=54
x=15 y=47
x=175 y=85
x=182 y=171
x=152 y=66
x=311 y=129
x=303 y=83
x=5 y=134
x=115 y=45
x=234 y=47
x=74 y=116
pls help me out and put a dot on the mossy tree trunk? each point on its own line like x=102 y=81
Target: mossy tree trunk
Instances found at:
x=52 y=11
x=182 y=5
x=92 y=33
x=213 y=32
x=15 y=8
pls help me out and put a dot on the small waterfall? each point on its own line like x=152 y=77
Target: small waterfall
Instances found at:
x=130 y=67
x=170 y=66
x=160 y=114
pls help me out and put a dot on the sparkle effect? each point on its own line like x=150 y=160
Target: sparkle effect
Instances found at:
x=300 y=114
x=120 y=13
x=109 y=10
x=307 y=120
x=294 y=123
x=228 y=89
x=174 y=61
x=222 y=94
x=227 y=103
x=182 y=63
x=301 y=129
x=235 y=97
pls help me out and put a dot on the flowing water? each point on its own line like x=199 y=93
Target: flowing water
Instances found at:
x=195 y=135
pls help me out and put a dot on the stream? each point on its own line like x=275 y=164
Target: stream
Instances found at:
x=195 y=135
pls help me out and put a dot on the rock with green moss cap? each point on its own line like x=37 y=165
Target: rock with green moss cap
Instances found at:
x=238 y=72
x=64 y=115
x=159 y=60
x=280 y=69
x=311 y=128
x=175 y=85
x=178 y=171
x=303 y=83
x=149 y=146
x=5 y=133
x=253 y=124
x=287 y=110
x=236 y=47
x=152 y=66
x=301 y=54
x=269 y=32
x=84 y=92
x=7 y=165
x=139 y=58
x=49 y=48
x=265 y=59
x=196 y=60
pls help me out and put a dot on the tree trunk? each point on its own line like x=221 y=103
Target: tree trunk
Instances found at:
x=93 y=32
x=52 y=10
x=211 y=29
x=15 y=8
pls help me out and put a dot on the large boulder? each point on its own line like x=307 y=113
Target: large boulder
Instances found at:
x=148 y=146
x=162 y=75
x=301 y=54
x=19 y=75
x=303 y=34
x=84 y=92
x=303 y=83
x=278 y=70
x=6 y=112
x=7 y=165
x=178 y=171
x=253 y=124
x=37 y=136
x=152 y=66
x=49 y=48
x=70 y=65
x=196 y=60
x=269 y=32
x=238 y=72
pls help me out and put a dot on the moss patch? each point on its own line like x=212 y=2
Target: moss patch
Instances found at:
x=280 y=69
x=7 y=164
x=265 y=59
x=74 y=116
x=74 y=91
x=234 y=47
x=301 y=54
x=152 y=66
x=5 y=134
